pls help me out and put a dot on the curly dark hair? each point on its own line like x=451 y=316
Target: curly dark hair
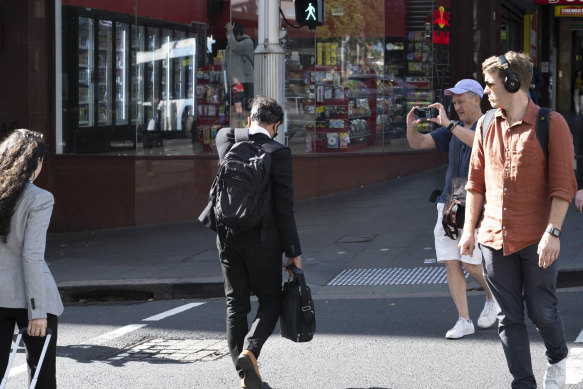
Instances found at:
x=20 y=154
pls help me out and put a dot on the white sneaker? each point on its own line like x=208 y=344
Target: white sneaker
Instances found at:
x=488 y=315
x=462 y=328
x=556 y=375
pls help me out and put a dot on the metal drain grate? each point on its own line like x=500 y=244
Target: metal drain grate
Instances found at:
x=391 y=276
x=184 y=350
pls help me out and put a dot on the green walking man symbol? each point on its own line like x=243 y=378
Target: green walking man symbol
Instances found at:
x=311 y=10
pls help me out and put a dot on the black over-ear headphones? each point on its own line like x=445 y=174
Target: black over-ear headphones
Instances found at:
x=511 y=81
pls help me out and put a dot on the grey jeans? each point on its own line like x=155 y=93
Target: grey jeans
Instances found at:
x=516 y=280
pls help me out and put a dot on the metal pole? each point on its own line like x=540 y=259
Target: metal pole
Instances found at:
x=269 y=58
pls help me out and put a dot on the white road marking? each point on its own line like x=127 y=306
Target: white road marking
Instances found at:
x=575 y=366
x=171 y=312
x=17 y=370
x=579 y=338
x=115 y=334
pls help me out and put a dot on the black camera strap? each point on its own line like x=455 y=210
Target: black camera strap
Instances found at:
x=456 y=157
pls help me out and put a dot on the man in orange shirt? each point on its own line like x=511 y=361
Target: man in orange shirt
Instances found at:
x=525 y=197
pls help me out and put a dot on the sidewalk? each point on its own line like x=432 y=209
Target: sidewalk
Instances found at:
x=384 y=225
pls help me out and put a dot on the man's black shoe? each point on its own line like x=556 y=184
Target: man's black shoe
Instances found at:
x=248 y=364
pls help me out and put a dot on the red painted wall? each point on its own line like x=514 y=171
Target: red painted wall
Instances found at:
x=316 y=176
x=91 y=192
x=179 y=11
x=396 y=18
x=94 y=192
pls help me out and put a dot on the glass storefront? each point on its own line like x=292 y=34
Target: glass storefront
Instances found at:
x=128 y=84
x=137 y=85
x=335 y=81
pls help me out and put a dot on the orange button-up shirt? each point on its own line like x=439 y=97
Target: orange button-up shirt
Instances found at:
x=511 y=171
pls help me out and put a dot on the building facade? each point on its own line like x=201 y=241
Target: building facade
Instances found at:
x=130 y=93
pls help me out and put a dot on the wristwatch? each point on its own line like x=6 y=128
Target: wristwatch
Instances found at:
x=452 y=125
x=553 y=231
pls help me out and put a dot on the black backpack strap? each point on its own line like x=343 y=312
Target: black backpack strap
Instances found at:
x=542 y=127
x=488 y=117
x=241 y=135
x=543 y=118
x=456 y=157
x=272 y=146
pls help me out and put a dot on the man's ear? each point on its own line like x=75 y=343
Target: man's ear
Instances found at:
x=248 y=121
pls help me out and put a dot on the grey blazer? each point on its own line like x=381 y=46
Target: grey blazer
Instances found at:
x=25 y=279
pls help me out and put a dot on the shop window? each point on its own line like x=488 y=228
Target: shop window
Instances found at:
x=129 y=84
x=349 y=87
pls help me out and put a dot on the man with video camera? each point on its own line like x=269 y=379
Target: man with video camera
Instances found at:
x=466 y=96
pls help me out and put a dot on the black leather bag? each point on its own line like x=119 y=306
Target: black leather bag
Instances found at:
x=297 y=319
x=455 y=203
x=455 y=208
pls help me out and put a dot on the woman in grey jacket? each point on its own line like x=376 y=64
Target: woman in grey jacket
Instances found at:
x=28 y=293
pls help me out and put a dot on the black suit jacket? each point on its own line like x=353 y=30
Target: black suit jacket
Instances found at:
x=281 y=224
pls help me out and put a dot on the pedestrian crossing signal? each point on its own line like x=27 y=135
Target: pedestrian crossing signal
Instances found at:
x=309 y=13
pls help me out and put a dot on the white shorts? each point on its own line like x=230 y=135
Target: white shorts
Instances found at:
x=447 y=248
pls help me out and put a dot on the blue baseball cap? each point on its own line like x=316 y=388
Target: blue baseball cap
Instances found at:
x=466 y=85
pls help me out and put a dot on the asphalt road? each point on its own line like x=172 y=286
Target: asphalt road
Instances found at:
x=395 y=341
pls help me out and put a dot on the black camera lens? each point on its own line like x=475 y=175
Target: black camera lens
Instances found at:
x=420 y=113
x=426 y=113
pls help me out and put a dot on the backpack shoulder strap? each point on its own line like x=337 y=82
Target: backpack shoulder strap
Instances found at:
x=241 y=135
x=488 y=117
x=542 y=129
x=272 y=146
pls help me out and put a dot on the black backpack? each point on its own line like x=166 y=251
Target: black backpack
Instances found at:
x=542 y=127
x=241 y=191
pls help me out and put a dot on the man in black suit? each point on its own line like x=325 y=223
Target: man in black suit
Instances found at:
x=252 y=261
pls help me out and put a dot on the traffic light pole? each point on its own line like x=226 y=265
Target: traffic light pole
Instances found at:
x=269 y=58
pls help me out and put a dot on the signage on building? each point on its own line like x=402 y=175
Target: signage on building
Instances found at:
x=337 y=11
x=559 y=2
x=569 y=11
x=441 y=21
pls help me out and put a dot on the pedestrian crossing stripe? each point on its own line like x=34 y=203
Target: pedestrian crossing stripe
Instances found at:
x=391 y=276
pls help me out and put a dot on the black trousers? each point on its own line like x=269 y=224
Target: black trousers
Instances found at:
x=516 y=280
x=47 y=378
x=249 y=268
x=248 y=95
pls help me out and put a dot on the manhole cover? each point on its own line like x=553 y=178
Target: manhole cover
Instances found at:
x=185 y=350
x=357 y=238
